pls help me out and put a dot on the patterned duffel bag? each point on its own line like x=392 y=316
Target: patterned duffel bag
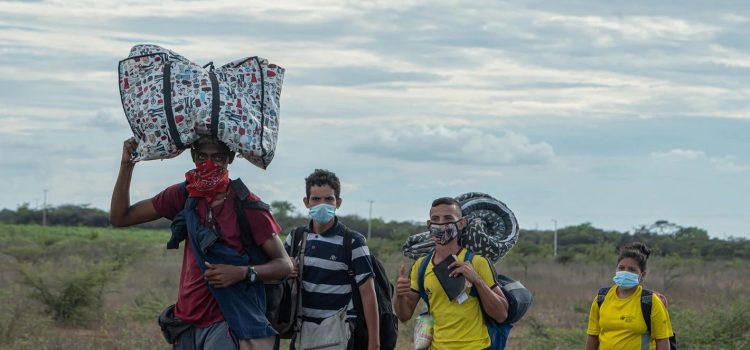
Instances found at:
x=170 y=102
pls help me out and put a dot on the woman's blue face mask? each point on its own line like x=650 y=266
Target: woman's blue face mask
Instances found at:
x=626 y=280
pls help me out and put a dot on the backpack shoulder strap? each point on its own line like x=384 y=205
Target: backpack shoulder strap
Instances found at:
x=348 y=251
x=243 y=193
x=241 y=202
x=646 y=303
x=239 y=188
x=470 y=258
x=356 y=298
x=420 y=278
x=601 y=294
x=469 y=255
x=296 y=238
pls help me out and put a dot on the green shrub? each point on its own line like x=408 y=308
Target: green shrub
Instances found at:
x=722 y=327
x=18 y=321
x=540 y=336
x=69 y=278
x=70 y=296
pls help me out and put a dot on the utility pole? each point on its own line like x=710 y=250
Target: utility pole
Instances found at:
x=555 y=246
x=44 y=208
x=369 y=221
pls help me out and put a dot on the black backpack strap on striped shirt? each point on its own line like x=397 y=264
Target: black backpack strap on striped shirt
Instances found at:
x=297 y=233
x=348 y=255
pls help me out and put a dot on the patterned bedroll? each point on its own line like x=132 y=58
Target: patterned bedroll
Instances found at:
x=170 y=102
x=491 y=232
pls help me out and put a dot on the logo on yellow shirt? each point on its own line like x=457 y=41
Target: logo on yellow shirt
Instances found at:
x=627 y=318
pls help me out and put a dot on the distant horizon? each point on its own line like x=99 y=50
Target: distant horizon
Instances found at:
x=619 y=114
x=300 y=214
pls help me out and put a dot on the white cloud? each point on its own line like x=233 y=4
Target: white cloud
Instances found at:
x=636 y=28
x=725 y=164
x=679 y=154
x=438 y=184
x=728 y=57
x=461 y=145
x=735 y=18
x=729 y=164
x=483 y=173
x=412 y=87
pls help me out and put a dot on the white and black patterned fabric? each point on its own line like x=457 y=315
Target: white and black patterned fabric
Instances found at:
x=491 y=232
x=170 y=102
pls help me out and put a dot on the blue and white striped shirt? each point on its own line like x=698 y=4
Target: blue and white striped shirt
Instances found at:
x=326 y=288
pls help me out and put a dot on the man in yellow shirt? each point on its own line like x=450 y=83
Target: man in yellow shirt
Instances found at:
x=458 y=323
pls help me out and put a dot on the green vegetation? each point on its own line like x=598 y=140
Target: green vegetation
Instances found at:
x=57 y=280
x=725 y=327
x=582 y=242
x=97 y=287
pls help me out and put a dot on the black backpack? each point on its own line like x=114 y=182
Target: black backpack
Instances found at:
x=645 y=310
x=384 y=295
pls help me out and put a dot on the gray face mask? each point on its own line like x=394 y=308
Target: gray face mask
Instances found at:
x=445 y=232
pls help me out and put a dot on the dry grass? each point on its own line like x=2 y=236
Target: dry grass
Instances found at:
x=563 y=295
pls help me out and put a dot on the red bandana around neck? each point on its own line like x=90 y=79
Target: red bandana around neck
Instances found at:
x=207 y=180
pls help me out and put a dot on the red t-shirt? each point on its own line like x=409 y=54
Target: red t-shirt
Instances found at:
x=195 y=304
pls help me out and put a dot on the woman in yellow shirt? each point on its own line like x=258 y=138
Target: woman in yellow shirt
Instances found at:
x=616 y=321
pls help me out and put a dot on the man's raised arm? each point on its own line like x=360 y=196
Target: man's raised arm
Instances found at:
x=121 y=213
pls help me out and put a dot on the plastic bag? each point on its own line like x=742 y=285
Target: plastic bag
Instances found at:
x=423 y=331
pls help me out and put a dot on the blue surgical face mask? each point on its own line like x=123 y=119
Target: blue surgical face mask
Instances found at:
x=626 y=280
x=323 y=213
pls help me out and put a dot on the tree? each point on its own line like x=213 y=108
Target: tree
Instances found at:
x=692 y=233
x=282 y=209
x=665 y=228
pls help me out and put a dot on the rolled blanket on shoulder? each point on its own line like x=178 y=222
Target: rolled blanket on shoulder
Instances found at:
x=491 y=232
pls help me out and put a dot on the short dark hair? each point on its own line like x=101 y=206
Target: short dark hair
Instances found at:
x=449 y=201
x=636 y=251
x=322 y=177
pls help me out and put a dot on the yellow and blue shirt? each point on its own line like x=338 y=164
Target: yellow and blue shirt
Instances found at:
x=457 y=326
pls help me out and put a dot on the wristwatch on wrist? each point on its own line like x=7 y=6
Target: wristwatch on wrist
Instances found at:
x=251 y=274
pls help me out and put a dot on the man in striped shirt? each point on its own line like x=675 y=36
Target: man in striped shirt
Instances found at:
x=326 y=285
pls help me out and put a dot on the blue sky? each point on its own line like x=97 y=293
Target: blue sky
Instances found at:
x=614 y=113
